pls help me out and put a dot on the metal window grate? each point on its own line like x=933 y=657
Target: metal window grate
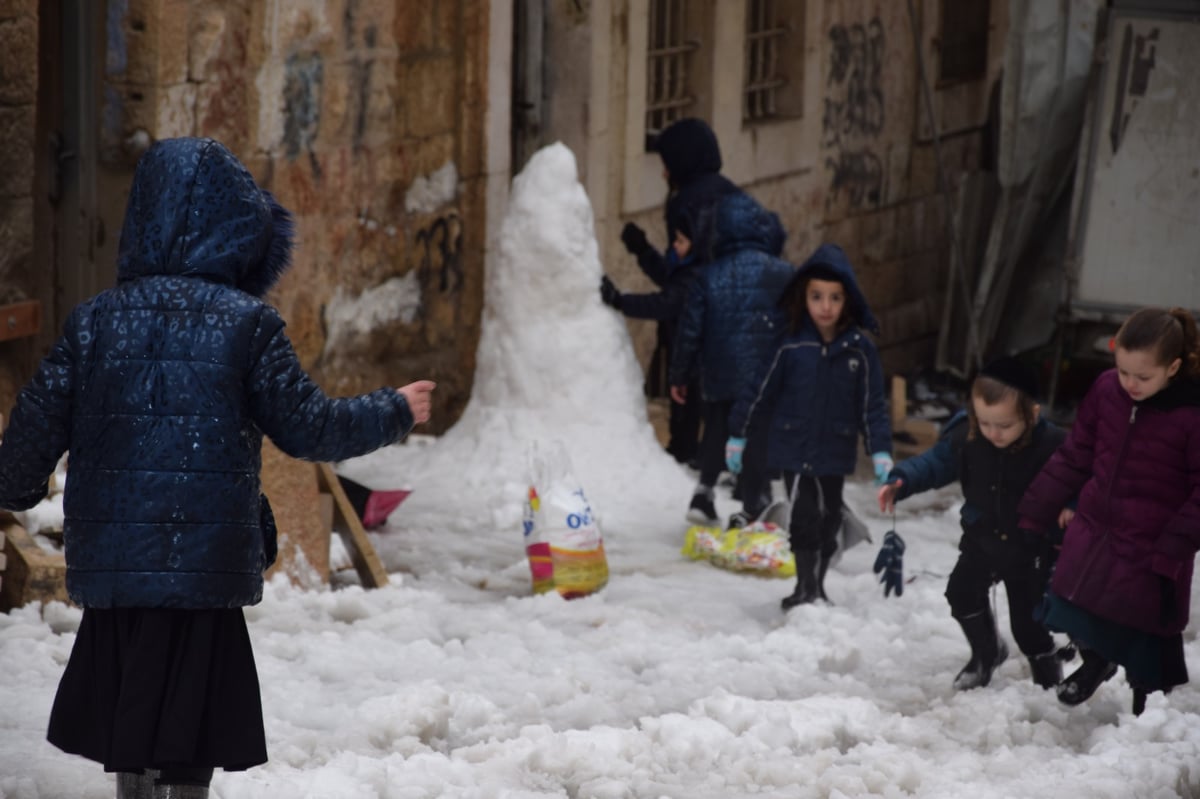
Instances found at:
x=763 y=76
x=668 y=87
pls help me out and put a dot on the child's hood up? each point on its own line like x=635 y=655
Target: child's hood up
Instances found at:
x=831 y=257
x=195 y=211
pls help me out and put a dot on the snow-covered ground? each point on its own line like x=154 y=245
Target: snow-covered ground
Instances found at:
x=677 y=680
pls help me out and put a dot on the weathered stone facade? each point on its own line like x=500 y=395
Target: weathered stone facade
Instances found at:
x=362 y=116
x=18 y=97
x=870 y=181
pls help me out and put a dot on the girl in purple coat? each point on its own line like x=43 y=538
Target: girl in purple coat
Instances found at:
x=1122 y=584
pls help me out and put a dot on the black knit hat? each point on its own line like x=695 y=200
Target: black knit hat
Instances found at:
x=1013 y=373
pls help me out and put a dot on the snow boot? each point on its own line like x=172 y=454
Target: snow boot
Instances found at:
x=807 y=587
x=1084 y=681
x=1139 y=700
x=823 y=562
x=702 y=510
x=135 y=786
x=739 y=521
x=1046 y=669
x=988 y=650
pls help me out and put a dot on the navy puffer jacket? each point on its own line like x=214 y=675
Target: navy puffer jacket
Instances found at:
x=818 y=396
x=731 y=315
x=162 y=388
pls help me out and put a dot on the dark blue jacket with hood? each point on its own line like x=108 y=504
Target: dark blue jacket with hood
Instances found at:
x=817 y=396
x=732 y=315
x=162 y=388
x=690 y=152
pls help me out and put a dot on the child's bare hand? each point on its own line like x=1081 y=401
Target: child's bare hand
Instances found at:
x=1065 y=517
x=887 y=496
x=679 y=394
x=420 y=399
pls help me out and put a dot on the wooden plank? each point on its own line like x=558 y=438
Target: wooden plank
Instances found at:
x=20 y=319
x=347 y=525
x=30 y=572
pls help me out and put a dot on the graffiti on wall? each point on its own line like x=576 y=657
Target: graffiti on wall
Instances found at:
x=303 y=76
x=854 y=112
x=438 y=253
x=361 y=66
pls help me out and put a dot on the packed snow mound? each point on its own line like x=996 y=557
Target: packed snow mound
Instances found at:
x=553 y=363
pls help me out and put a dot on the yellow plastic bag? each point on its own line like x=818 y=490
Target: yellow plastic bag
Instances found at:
x=760 y=548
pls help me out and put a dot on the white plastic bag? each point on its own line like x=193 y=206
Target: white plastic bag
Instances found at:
x=562 y=538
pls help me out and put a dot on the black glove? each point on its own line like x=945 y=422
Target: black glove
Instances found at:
x=609 y=294
x=634 y=239
x=890 y=561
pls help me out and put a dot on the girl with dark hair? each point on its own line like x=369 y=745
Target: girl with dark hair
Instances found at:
x=1122 y=585
x=819 y=387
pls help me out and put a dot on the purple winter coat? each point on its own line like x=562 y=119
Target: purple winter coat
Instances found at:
x=1136 y=470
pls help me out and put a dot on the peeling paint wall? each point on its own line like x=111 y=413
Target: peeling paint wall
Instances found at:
x=353 y=113
x=869 y=179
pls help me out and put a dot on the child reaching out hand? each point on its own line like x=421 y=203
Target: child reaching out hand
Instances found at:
x=995 y=450
x=162 y=388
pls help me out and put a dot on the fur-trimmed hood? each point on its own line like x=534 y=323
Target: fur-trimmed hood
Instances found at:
x=195 y=211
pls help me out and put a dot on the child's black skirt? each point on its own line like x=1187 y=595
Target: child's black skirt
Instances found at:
x=161 y=688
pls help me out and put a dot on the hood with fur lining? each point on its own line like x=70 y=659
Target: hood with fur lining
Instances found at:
x=195 y=211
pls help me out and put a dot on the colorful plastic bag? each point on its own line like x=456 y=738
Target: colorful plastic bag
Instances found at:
x=760 y=548
x=562 y=538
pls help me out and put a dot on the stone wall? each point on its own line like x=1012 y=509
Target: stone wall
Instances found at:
x=364 y=118
x=870 y=183
x=18 y=96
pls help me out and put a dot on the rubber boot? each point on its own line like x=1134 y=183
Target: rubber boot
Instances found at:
x=807 y=590
x=1046 y=669
x=988 y=650
x=1084 y=681
x=822 y=568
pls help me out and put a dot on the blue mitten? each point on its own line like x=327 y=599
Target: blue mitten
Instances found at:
x=883 y=464
x=890 y=561
x=733 y=453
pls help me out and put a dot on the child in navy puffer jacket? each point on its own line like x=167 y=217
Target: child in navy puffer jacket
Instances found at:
x=818 y=389
x=162 y=389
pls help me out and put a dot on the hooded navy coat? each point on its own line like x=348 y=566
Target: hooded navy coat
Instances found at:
x=818 y=396
x=731 y=315
x=163 y=387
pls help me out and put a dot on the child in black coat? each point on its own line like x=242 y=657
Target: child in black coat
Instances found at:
x=995 y=450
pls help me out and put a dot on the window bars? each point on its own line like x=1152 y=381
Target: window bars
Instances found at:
x=765 y=39
x=668 y=84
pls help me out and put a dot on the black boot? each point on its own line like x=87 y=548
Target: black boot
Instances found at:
x=822 y=569
x=807 y=590
x=988 y=650
x=1084 y=681
x=1046 y=669
x=1139 y=700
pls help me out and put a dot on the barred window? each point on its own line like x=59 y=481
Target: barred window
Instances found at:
x=963 y=43
x=774 y=60
x=669 y=91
